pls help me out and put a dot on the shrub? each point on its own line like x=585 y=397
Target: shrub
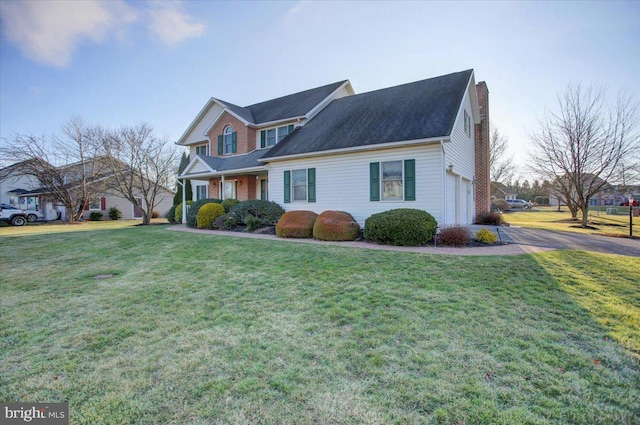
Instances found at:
x=115 y=213
x=192 y=214
x=171 y=214
x=296 y=224
x=403 y=226
x=336 y=226
x=454 y=236
x=178 y=211
x=155 y=214
x=225 y=222
x=500 y=205
x=267 y=212
x=229 y=203
x=95 y=216
x=252 y=222
x=207 y=215
x=486 y=236
x=490 y=218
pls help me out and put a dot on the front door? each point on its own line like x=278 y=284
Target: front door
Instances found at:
x=229 y=190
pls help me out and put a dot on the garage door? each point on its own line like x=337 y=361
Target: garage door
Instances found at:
x=452 y=200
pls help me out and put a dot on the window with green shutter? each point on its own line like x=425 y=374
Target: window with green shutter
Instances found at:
x=311 y=185
x=300 y=185
x=374 y=181
x=410 y=180
x=220 y=145
x=392 y=180
x=263 y=139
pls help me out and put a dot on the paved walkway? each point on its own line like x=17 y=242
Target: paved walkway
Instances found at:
x=508 y=249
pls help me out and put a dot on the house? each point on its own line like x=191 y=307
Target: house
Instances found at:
x=23 y=190
x=501 y=191
x=421 y=145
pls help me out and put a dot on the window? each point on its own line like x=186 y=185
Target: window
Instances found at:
x=229 y=190
x=202 y=150
x=392 y=180
x=228 y=139
x=274 y=135
x=300 y=185
x=202 y=192
x=467 y=123
x=97 y=205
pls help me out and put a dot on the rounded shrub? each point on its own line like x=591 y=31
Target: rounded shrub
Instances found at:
x=229 y=203
x=95 y=216
x=171 y=214
x=486 y=236
x=402 y=226
x=115 y=213
x=267 y=212
x=336 y=226
x=207 y=215
x=296 y=224
x=192 y=214
x=454 y=236
x=178 y=212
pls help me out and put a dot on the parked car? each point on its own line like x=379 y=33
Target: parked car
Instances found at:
x=32 y=215
x=519 y=203
x=12 y=215
x=636 y=203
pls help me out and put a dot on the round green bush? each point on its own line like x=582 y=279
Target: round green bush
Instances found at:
x=267 y=212
x=336 y=226
x=171 y=214
x=115 y=213
x=207 y=215
x=192 y=214
x=403 y=227
x=229 y=203
x=95 y=216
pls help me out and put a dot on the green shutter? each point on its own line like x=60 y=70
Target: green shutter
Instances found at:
x=311 y=185
x=287 y=187
x=263 y=139
x=220 y=145
x=410 y=180
x=290 y=128
x=374 y=181
x=234 y=142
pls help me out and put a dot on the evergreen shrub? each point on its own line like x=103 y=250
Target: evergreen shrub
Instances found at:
x=192 y=214
x=115 y=213
x=336 y=226
x=207 y=215
x=267 y=212
x=296 y=224
x=486 y=236
x=402 y=226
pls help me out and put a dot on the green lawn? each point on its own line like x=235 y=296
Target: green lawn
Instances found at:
x=204 y=329
x=549 y=218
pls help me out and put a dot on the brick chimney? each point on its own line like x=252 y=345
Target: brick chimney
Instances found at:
x=483 y=184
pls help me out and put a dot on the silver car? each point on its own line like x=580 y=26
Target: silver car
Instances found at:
x=519 y=203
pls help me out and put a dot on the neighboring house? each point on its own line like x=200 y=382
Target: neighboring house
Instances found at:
x=501 y=191
x=23 y=190
x=421 y=145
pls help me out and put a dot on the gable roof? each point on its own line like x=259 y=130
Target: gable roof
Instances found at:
x=229 y=163
x=420 y=110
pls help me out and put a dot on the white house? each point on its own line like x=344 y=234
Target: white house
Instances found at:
x=419 y=145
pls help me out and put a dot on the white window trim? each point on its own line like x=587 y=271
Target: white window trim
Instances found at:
x=206 y=149
x=306 y=187
x=99 y=203
x=228 y=134
x=382 y=181
x=277 y=138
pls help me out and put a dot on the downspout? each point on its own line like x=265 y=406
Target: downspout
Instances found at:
x=184 y=202
x=444 y=182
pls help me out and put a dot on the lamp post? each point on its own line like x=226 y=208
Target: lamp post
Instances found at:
x=630 y=217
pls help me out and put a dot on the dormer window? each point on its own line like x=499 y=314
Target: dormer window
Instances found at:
x=274 y=135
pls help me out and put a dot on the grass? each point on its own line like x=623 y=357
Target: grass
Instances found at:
x=205 y=329
x=549 y=218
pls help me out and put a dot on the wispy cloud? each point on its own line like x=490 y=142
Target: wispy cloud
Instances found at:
x=171 y=24
x=48 y=32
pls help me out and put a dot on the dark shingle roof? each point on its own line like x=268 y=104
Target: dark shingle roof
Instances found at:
x=420 y=110
x=235 y=162
x=293 y=105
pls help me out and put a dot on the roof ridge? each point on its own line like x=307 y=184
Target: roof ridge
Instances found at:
x=338 y=83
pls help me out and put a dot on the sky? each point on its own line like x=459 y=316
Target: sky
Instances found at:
x=121 y=62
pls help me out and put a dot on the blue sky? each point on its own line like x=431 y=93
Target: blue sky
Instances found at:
x=123 y=62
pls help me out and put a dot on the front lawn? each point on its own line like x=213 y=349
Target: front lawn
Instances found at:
x=142 y=325
x=550 y=218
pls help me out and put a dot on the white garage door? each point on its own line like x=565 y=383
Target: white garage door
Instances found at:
x=452 y=200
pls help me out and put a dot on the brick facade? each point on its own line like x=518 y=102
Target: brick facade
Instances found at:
x=483 y=184
x=246 y=135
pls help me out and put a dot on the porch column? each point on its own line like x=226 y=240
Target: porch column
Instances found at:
x=222 y=188
x=184 y=203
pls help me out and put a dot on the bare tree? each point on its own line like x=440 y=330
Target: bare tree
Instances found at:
x=143 y=165
x=580 y=148
x=65 y=165
x=501 y=167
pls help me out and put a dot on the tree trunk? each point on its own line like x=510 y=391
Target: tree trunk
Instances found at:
x=146 y=217
x=585 y=216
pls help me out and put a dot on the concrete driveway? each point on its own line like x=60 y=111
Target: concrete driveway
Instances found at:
x=567 y=240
